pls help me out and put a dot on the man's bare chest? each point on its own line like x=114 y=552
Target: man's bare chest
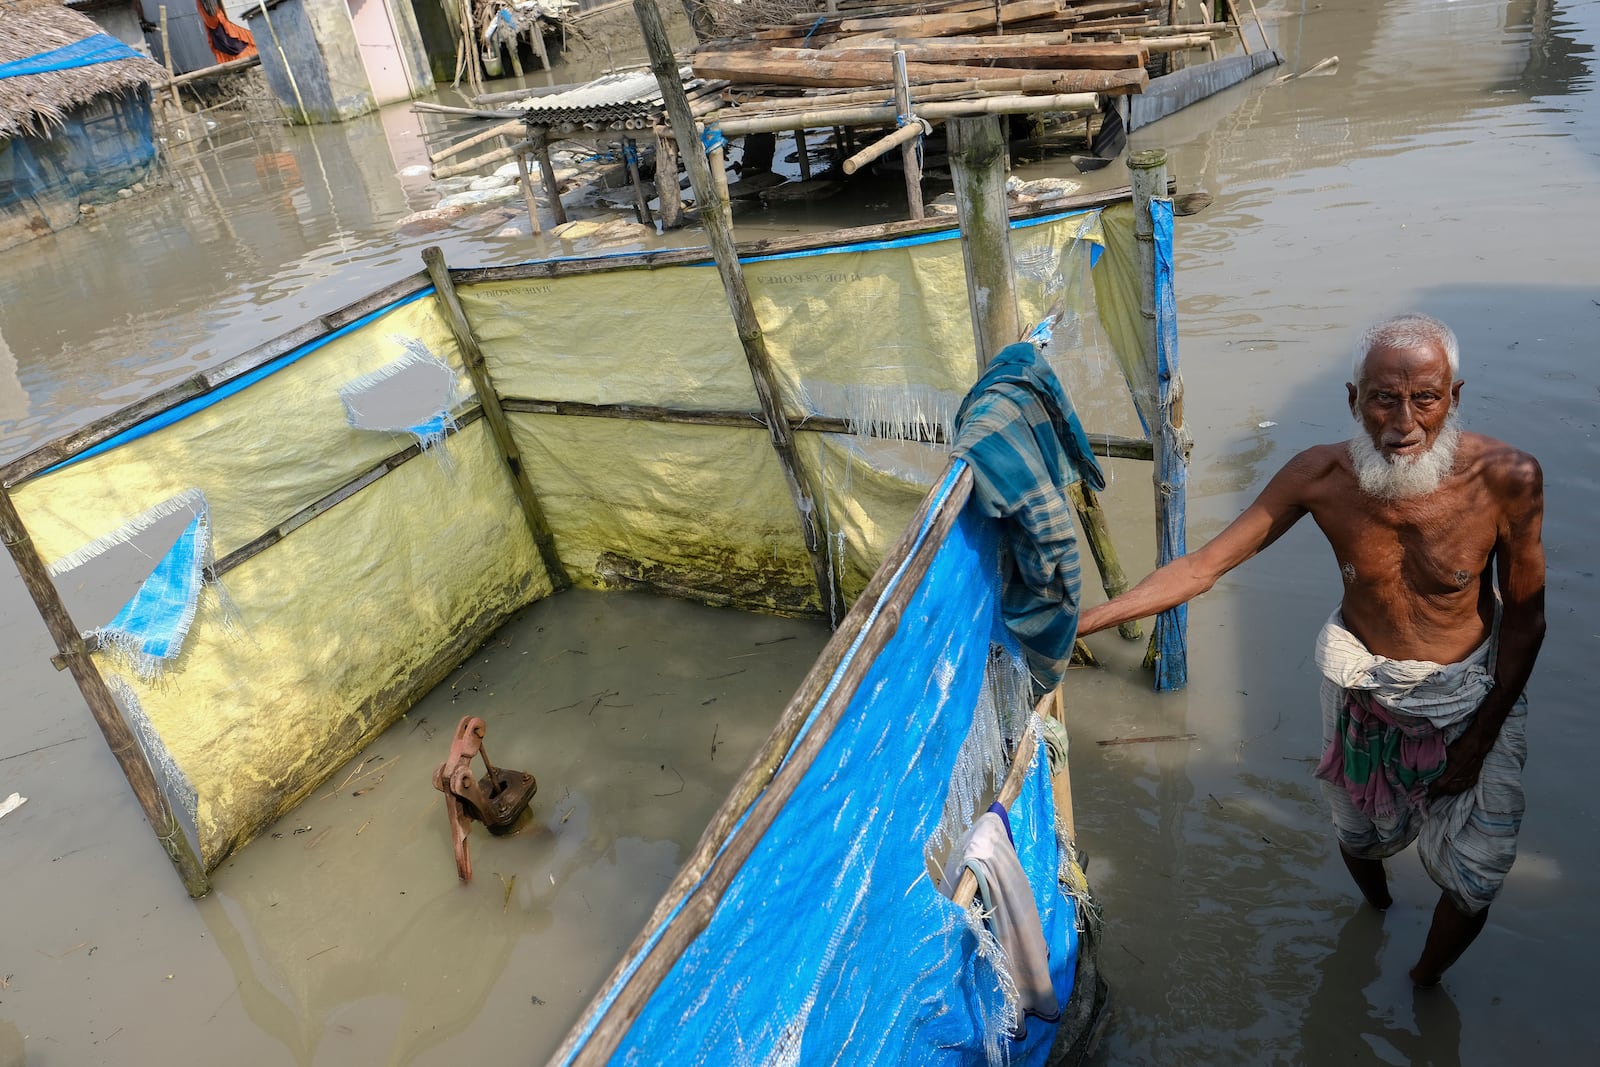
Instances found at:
x=1398 y=551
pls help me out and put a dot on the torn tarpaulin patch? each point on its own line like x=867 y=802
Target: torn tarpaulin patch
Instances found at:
x=149 y=631
x=413 y=394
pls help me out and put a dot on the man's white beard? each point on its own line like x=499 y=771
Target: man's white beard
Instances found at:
x=1399 y=477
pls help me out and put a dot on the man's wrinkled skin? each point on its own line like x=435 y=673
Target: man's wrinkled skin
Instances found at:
x=1419 y=572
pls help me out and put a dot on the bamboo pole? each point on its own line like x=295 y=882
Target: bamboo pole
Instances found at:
x=547 y=174
x=475 y=163
x=1167 y=653
x=714 y=216
x=288 y=70
x=464 y=112
x=129 y=756
x=905 y=135
x=977 y=163
x=870 y=115
x=1179 y=43
x=472 y=356
x=1259 y=28
x=166 y=56
x=211 y=72
x=668 y=194
x=910 y=159
x=1238 y=27
x=1010 y=788
x=630 y=153
x=1097 y=531
x=770 y=779
x=502 y=130
x=527 y=193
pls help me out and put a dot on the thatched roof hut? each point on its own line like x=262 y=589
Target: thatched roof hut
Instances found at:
x=33 y=103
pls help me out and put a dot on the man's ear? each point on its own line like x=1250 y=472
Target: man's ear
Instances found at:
x=1455 y=392
x=1351 y=388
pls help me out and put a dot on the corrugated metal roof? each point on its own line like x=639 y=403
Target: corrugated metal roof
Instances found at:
x=633 y=94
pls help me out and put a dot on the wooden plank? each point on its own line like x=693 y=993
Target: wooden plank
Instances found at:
x=955 y=22
x=472 y=356
x=815 y=70
x=1092 y=56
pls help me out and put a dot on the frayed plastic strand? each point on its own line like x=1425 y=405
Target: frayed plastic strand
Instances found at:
x=192 y=500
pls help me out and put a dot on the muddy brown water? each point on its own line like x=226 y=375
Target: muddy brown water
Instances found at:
x=1451 y=164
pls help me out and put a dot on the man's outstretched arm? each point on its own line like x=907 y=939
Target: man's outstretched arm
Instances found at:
x=1280 y=506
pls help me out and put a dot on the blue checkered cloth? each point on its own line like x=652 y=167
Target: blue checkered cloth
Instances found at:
x=1018 y=431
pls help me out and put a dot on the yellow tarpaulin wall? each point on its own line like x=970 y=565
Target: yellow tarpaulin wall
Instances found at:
x=320 y=640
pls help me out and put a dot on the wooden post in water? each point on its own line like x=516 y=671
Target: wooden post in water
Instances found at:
x=1168 y=652
x=1238 y=27
x=641 y=206
x=977 y=162
x=494 y=414
x=1097 y=531
x=908 y=151
x=527 y=189
x=667 y=191
x=70 y=644
x=804 y=154
x=547 y=173
x=714 y=216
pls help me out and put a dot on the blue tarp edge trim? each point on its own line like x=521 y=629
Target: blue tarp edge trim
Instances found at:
x=601 y=1006
x=233 y=385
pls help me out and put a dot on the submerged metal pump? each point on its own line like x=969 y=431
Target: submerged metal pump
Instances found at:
x=497 y=800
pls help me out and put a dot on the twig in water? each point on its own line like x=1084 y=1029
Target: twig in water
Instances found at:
x=376 y=759
x=1146 y=740
x=674 y=770
x=564 y=707
x=314 y=955
x=775 y=640
x=730 y=674
x=1140 y=741
x=509 y=886
x=41 y=748
x=715 y=727
x=1215 y=801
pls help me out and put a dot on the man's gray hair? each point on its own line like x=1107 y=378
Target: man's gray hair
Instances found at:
x=1412 y=330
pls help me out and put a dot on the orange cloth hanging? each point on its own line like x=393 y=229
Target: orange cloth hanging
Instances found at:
x=228 y=41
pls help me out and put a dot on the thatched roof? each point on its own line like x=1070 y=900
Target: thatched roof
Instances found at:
x=31 y=103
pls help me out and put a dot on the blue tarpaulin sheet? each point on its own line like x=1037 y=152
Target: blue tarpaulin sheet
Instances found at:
x=832 y=944
x=150 y=628
x=96 y=48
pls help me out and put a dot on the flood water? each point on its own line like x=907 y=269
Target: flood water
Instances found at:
x=1450 y=164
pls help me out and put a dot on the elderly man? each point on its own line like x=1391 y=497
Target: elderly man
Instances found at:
x=1436 y=533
